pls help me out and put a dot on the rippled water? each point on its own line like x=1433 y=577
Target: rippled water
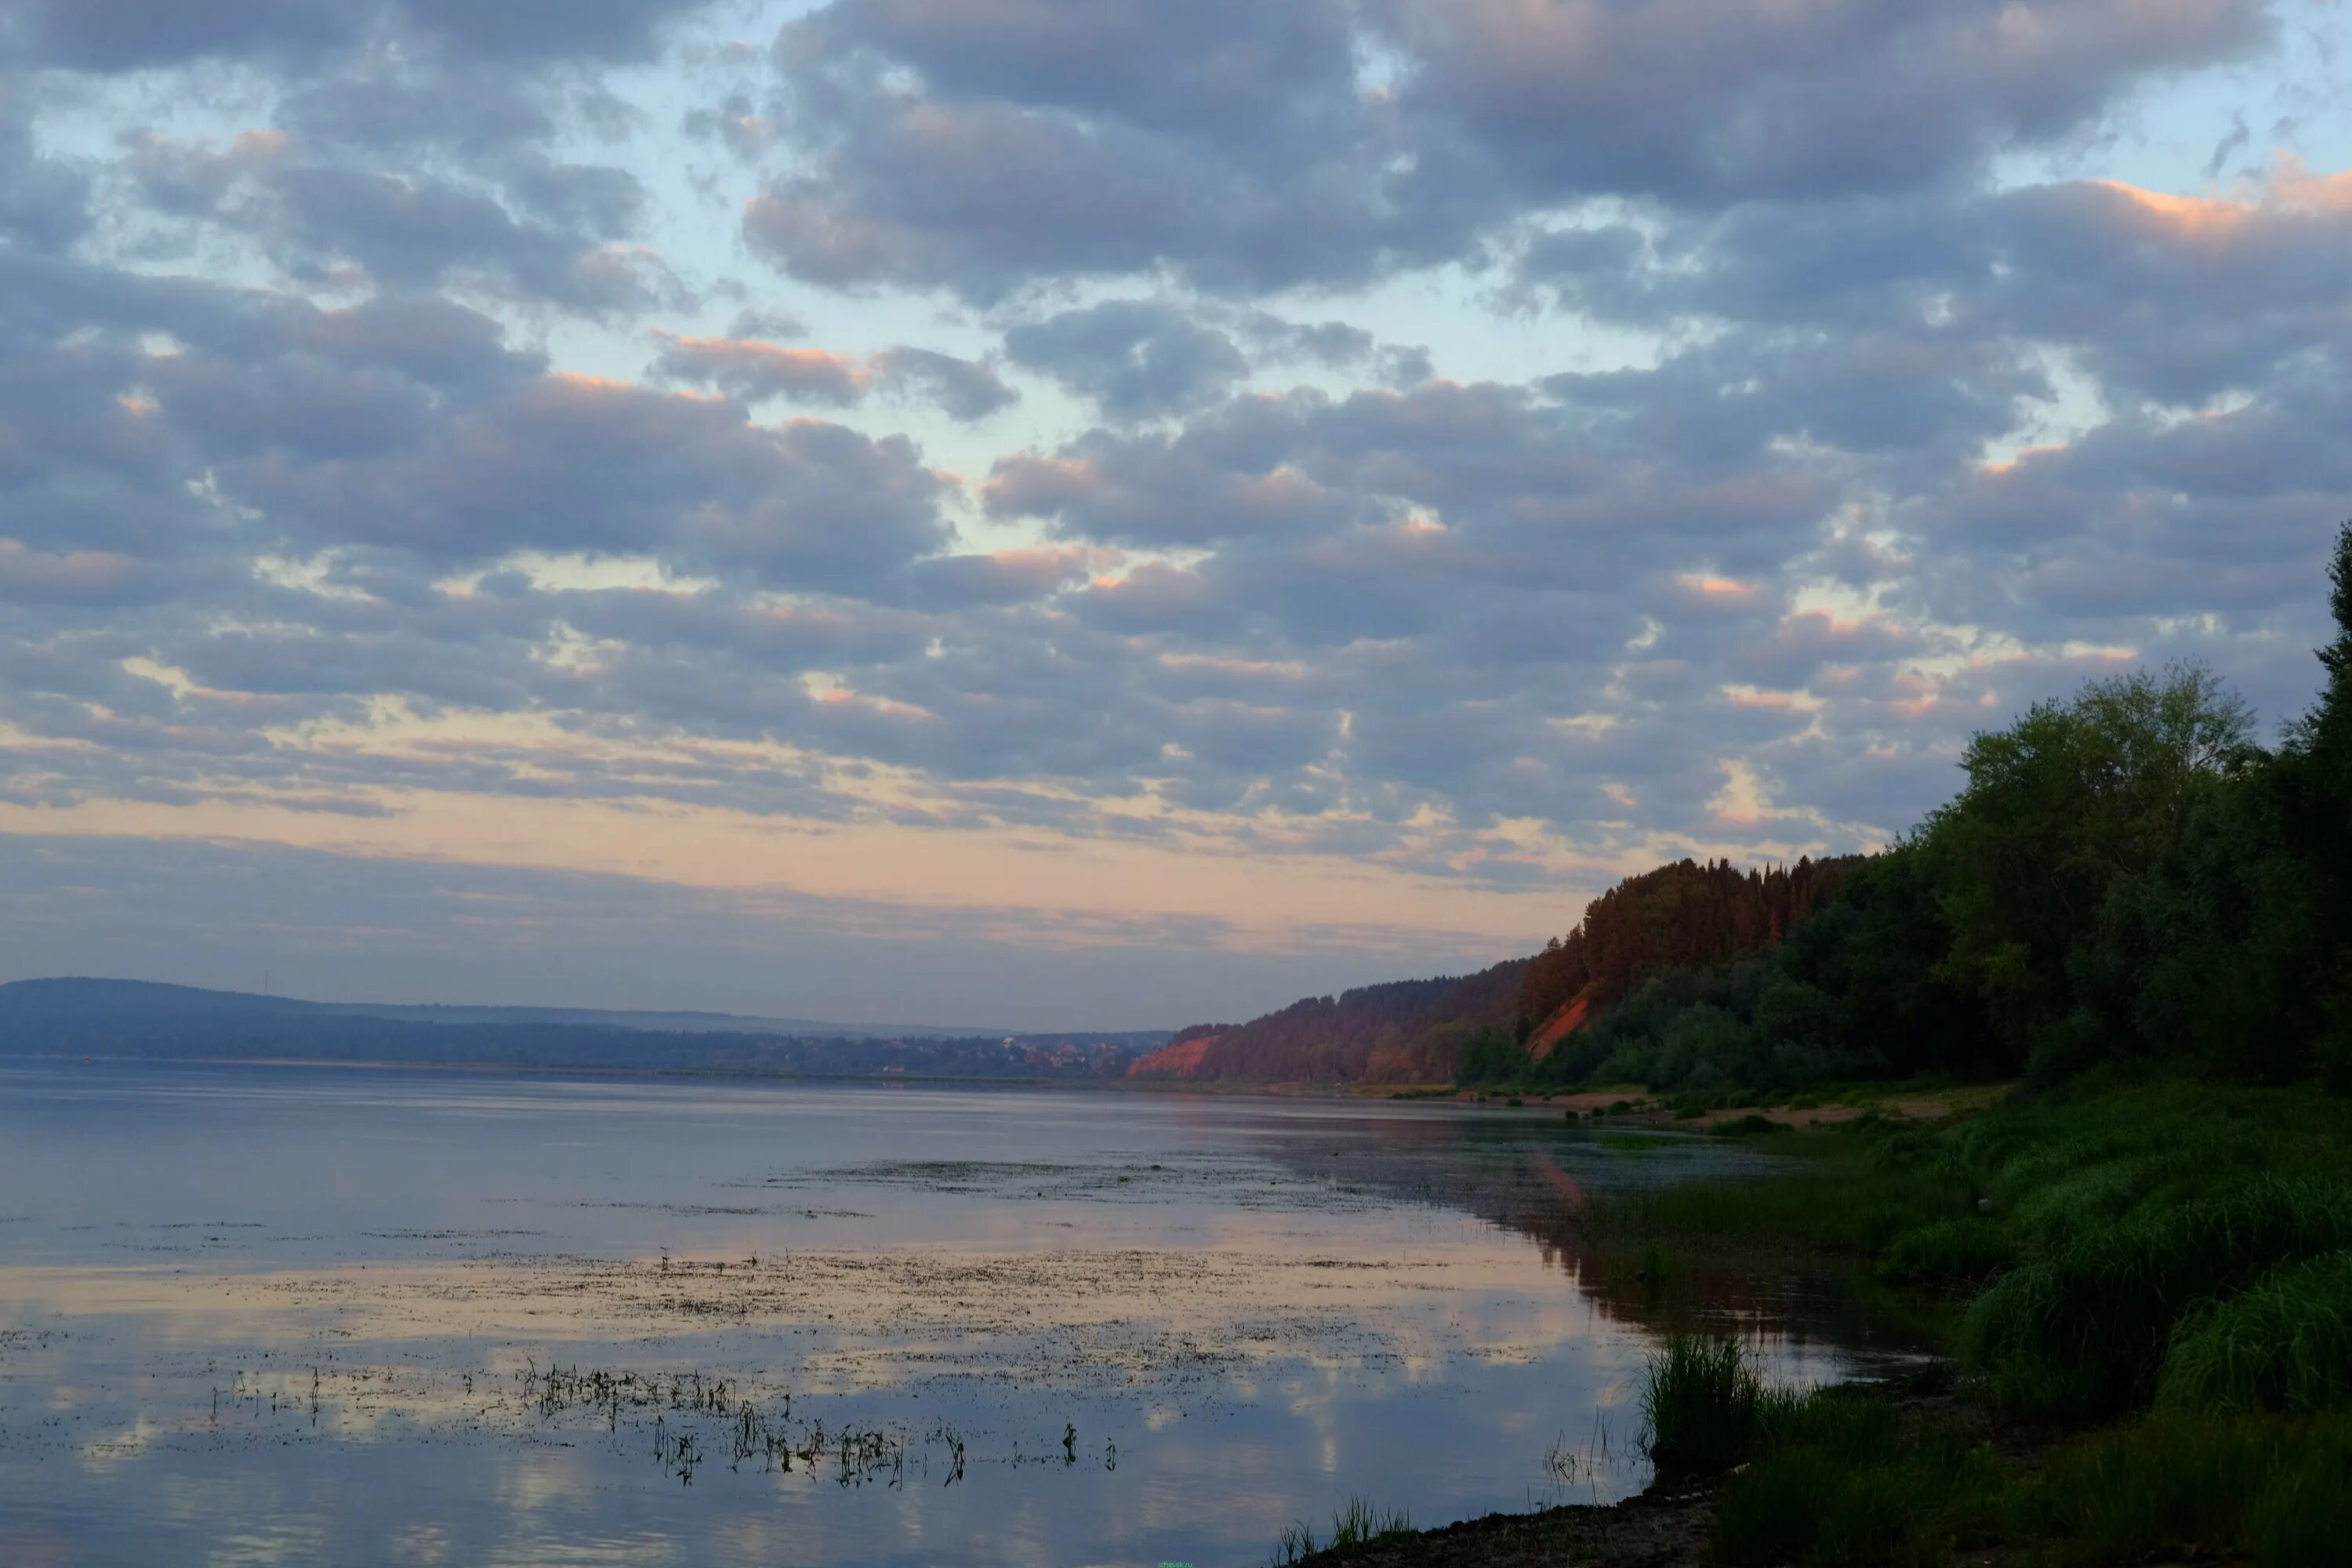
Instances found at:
x=296 y=1315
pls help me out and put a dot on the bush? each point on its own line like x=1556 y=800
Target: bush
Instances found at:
x=2286 y=1344
x=2084 y=1331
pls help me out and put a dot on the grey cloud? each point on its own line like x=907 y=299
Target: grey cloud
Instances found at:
x=98 y=577
x=414 y=232
x=2162 y=299
x=549 y=30
x=753 y=370
x=736 y=122
x=1228 y=141
x=980 y=148
x=411 y=232
x=428 y=339
x=1379 y=609
x=564 y=464
x=960 y=388
x=1010 y=578
x=1710 y=102
x=1334 y=344
x=378 y=106
x=1135 y=359
x=1218 y=69
x=578 y=198
x=44 y=203
x=771 y=326
x=125 y=34
x=1147 y=359
x=983 y=197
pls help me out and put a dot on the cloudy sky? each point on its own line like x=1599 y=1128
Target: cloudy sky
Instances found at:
x=1102 y=513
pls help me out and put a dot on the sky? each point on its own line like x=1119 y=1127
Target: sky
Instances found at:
x=1103 y=513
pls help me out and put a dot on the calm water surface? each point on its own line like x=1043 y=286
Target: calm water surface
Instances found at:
x=259 y=1315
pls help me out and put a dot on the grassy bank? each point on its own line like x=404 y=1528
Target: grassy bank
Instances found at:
x=2145 y=1294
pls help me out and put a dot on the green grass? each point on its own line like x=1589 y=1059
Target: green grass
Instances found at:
x=1356 y=1522
x=1359 y=1522
x=2174 y=1262
x=1703 y=1404
x=2279 y=1491
x=1840 y=1480
x=2283 y=1344
x=1843 y=1479
x=2083 y=1330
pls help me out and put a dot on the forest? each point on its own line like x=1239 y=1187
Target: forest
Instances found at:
x=1407 y=1031
x=2127 y=875
x=2124 y=876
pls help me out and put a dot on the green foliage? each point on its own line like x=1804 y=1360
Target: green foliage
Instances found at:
x=2084 y=1331
x=2125 y=877
x=2180 y=1241
x=2286 y=1344
x=1491 y=1054
x=2060 y=813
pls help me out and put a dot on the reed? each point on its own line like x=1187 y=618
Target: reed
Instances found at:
x=1703 y=1404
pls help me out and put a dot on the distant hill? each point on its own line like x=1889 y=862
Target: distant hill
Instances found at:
x=130 y=1017
x=131 y=1000
x=1407 y=1031
x=1685 y=914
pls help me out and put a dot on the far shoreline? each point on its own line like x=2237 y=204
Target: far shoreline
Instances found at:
x=1623 y=1106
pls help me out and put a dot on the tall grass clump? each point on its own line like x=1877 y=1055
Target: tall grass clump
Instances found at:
x=2276 y=1491
x=1840 y=1481
x=2283 y=1344
x=1360 y=1522
x=2083 y=1330
x=1704 y=1404
x=1296 y=1545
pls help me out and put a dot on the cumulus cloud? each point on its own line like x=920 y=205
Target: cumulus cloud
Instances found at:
x=372 y=440
x=1134 y=358
x=1246 y=147
x=1708 y=103
x=127 y=35
x=754 y=370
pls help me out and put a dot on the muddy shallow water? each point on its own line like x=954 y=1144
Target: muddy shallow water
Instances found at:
x=292 y=1315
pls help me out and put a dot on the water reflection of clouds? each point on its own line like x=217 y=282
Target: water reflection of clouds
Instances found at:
x=1258 y=1320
